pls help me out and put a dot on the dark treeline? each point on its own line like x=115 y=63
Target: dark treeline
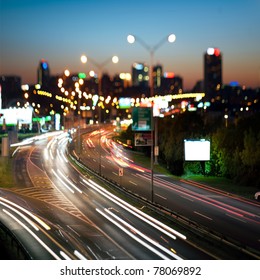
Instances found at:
x=235 y=148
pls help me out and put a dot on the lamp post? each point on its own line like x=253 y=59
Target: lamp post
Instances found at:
x=77 y=89
x=100 y=67
x=151 y=49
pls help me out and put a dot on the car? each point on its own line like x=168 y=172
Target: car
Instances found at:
x=257 y=196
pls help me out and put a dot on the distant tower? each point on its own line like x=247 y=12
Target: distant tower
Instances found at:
x=212 y=71
x=140 y=74
x=157 y=76
x=43 y=73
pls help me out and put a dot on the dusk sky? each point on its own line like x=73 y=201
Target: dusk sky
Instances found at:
x=60 y=31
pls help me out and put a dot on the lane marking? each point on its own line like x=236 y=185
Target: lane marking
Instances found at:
x=192 y=200
x=236 y=218
x=204 y=216
x=161 y=196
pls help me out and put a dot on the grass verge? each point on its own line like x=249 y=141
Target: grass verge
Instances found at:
x=216 y=182
x=6 y=175
x=225 y=185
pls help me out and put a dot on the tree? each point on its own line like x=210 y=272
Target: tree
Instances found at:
x=250 y=157
x=172 y=133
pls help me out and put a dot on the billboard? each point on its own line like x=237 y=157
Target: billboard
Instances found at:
x=143 y=139
x=197 y=150
x=124 y=103
x=12 y=116
x=160 y=102
x=142 y=119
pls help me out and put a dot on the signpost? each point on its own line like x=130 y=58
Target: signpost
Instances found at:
x=121 y=174
x=143 y=123
x=121 y=171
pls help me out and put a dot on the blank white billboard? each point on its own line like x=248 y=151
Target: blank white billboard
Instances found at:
x=14 y=115
x=197 y=150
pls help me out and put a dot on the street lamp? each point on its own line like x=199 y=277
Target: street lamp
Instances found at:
x=151 y=49
x=100 y=67
x=77 y=89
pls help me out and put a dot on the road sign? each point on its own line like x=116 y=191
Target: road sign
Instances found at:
x=121 y=172
x=142 y=119
x=156 y=150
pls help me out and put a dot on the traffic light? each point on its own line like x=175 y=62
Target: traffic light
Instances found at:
x=1 y=115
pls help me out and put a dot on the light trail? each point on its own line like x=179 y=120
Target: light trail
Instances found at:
x=159 y=246
x=46 y=155
x=59 y=156
x=64 y=158
x=139 y=214
x=144 y=215
x=33 y=235
x=42 y=223
x=79 y=255
x=194 y=196
x=21 y=215
x=64 y=184
x=67 y=180
x=65 y=256
x=132 y=235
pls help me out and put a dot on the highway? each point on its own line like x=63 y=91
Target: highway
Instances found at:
x=231 y=217
x=58 y=213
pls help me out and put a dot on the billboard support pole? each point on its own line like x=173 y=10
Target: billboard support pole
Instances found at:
x=203 y=166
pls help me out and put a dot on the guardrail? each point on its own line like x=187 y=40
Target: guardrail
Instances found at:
x=183 y=221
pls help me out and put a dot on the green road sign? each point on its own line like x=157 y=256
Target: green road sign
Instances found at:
x=142 y=119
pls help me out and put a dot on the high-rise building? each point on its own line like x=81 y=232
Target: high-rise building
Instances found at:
x=157 y=76
x=171 y=84
x=10 y=90
x=212 y=71
x=140 y=75
x=43 y=74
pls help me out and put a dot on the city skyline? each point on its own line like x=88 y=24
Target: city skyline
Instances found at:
x=60 y=34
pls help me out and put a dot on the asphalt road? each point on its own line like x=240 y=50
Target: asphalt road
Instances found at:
x=57 y=213
x=231 y=217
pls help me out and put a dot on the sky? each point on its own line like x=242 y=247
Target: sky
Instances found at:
x=60 y=31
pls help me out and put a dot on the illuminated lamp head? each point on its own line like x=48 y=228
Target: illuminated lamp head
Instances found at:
x=213 y=51
x=216 y=52
x=210 y=51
